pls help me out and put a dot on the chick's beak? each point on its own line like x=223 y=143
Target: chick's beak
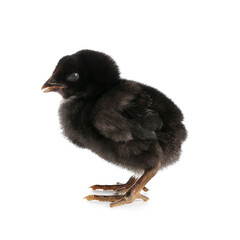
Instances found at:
x=51 y=85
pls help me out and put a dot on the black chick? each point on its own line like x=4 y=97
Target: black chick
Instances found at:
x=125 y=122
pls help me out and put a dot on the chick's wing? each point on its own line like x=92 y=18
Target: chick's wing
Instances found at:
x=125 y=113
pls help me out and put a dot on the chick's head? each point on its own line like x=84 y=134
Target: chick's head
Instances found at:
x=86 y=74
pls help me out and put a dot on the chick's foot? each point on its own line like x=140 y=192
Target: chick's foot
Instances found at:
x=115 y=198
x=131 y=194
x=134 y=192
x=120 y=188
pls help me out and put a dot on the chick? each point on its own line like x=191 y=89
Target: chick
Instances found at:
x=125 y=122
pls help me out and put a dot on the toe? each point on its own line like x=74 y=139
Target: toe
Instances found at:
x=120 y=202
x=104 y=198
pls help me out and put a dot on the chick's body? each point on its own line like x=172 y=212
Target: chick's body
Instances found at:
x=130 y=125
x=126 y=123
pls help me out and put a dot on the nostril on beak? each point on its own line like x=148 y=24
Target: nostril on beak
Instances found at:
x=52 y=80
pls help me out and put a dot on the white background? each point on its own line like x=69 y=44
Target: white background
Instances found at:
x=190 y=50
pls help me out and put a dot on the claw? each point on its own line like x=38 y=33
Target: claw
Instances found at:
x=104 y=198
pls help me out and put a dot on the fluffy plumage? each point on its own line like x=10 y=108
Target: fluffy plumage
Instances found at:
x=125 y=122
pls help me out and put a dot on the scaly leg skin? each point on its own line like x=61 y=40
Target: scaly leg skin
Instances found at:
x=120 y=188
x=135 y=190
x=111 y=198
x=131 y=194
x=125 y=189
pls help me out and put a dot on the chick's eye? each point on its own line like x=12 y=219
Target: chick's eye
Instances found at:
x=73 y=77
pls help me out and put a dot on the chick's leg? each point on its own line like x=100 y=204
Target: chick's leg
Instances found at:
x=131 y=194
x=129 y=183
x=134 y=192
x=121 y=188
x=111 y=198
